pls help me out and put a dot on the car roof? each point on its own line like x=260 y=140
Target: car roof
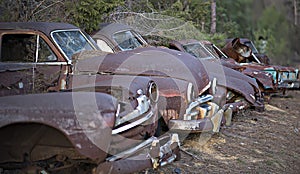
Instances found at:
x=45 y=27
x=109 y=29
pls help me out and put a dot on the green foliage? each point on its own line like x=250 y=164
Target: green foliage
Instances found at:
x=277 y=34
x=234 y=17
x=200 y=13
x=177 y=10
x=88 y=14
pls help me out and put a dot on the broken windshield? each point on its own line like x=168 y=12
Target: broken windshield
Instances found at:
x=71 y=42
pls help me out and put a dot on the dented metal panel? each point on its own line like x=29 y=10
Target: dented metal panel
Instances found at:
x=62 y=112
x=76 y=115
x=283 y=77
x=226 y=77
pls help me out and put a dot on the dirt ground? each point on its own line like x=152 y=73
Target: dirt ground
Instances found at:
x=266 y=142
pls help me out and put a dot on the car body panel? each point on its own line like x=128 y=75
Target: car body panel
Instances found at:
x=283 y=77
x=59 y=111
x=51 y=70
x=227 y=77
x=172 y=70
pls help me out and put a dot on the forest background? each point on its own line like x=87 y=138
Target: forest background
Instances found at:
x=277 y=21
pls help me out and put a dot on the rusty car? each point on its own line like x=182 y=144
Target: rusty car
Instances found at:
x=236 y=83
x=284 y=77
x=204 y=47
x=36 y=67
x=122 y=38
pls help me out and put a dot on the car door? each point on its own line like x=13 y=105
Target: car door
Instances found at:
x=29 y=65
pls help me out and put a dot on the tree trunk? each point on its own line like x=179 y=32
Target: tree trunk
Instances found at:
x=295 y=12
x=213 y=17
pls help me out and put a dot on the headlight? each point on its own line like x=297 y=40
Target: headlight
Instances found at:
x=153 y=92
x=190 y=92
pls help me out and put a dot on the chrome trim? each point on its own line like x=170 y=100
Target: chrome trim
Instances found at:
x=150 y=143
x=257 y=60
x=196 y=103
x=143 y=107
x=131 y=151
x=51 y=63
x=190 y=92
x=37 y=48
x=133 y=124
x=223 y=54
x=151 y=86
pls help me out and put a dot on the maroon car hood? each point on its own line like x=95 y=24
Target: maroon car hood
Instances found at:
x=232 y=80
x=148 y=61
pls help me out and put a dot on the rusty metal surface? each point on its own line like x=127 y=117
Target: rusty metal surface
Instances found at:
x=148 y=61
x=57 y=110
x=262 y=57
x=84 y=134
x=173 y=101
x=276 y=70
x=45 y=27
x=226 y=77
x=263 y=78
x=233 y=80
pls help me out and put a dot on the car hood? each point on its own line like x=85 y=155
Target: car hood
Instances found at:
x=233 y=80
x=150 y=61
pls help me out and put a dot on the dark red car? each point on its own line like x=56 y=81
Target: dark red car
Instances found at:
x=122 y=39
x=58 y=107
x=264 y=79
x=185 y=89
x=284 y=77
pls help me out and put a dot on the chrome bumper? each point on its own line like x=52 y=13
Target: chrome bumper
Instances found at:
x=152 y=153
x=201 y=115
x=143 y=118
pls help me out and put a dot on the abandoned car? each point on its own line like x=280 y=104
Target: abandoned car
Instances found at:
x=205 y=49
x=236 y=83
x=284 y=77
x=185 y=100
x=118 y=37
x=36 y=67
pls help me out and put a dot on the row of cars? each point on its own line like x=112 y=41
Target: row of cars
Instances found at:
x=110 y=102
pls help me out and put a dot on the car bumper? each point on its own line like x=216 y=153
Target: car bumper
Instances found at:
x=200 y=125
x=151 y=153
x=289 y=84
x=201 y=116
x=134 y=131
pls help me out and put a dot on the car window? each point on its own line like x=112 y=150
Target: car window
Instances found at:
x=71 y=42
x=210 y=48
x=127 y=40
x=22 y=48
x=18 y=48
x=197 y=50
x=104 y=46
x=45 y=53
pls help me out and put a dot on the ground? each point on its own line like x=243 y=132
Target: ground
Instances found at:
x=256 y=142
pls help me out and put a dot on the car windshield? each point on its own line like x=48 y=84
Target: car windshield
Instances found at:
x=197 y=50
x=251 y=45
x=128 y=40
x=71 y=42
x=211 y=49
